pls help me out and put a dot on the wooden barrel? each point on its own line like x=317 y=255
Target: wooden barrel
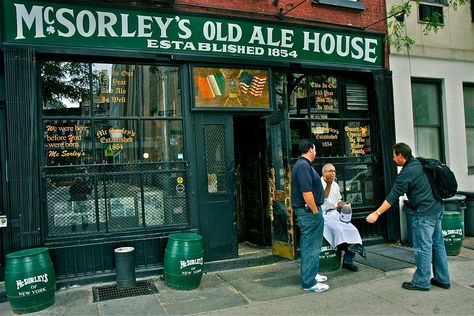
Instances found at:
x=329 y=258
x=184 y=259
x=452 y=227
x=30 y=281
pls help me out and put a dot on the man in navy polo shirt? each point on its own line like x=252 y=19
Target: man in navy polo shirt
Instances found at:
x=306 y=200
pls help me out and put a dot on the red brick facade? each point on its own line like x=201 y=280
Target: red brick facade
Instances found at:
x=305 y=12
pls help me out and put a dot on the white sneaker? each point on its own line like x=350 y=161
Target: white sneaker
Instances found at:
x=321 y=278
x=318 y=287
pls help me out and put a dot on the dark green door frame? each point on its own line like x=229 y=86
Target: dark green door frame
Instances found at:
x=4 y=231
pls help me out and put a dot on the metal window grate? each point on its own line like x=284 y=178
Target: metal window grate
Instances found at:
x=111 y=292
x=216 y=153
x=114 y=198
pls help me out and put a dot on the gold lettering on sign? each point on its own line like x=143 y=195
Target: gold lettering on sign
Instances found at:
x=116 y=136
x=323 y=132
x=325 y=94
x=359 y=139
x=64 y=140
x=115 y=87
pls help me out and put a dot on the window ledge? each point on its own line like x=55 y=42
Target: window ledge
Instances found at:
x=342 y=3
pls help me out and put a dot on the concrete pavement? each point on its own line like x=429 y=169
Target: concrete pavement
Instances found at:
x=274 y=289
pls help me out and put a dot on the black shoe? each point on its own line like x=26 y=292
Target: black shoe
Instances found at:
x=350 y=267
x=411 y=286
x=439 y=284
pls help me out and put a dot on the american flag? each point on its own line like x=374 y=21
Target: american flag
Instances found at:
x=252 y=84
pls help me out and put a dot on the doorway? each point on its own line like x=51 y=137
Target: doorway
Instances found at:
x=232 y=183
x=251 y=180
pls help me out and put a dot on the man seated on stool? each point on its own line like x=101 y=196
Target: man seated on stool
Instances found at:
x=338 y=230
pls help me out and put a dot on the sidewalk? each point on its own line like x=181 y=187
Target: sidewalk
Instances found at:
x=274 y=289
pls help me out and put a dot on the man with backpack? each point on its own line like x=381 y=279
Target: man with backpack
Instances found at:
x=427 y=211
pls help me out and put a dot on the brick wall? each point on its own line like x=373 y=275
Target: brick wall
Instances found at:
x=306 y=13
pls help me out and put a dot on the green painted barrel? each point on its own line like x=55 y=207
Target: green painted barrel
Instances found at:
x=30 y=281
x=329 y=258
x=452 y=226
x=184 y=259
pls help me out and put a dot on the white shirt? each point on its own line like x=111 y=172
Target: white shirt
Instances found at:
x=333 y=198
x=337 y=232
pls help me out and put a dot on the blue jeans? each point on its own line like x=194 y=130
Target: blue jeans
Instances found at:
x=311 y=227
x=428 y=244
x=348 y=257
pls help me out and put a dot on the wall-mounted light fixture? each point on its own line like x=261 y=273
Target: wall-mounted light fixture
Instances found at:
x=282 y=14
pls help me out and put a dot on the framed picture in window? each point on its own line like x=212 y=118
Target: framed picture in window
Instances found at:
x=231 y=88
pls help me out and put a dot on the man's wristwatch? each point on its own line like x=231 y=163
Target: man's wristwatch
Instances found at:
x=378 y=213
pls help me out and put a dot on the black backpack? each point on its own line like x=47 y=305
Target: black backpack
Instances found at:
x=442 y=179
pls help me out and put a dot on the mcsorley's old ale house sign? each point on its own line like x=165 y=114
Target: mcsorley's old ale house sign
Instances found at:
x=59 y=24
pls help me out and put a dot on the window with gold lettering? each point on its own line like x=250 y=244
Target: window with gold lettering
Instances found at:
x=323 y=94
x=143 y=100
x=113 y=149
x=113 y=90
x=335 y=112
x=116 y=141
x=330 y=110
x=68 y=142
x=357 y=138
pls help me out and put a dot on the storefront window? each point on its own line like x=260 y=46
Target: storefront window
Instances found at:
x=116 y=141
x=65 y=87
x=159 y=91
x=163 y=141
x=68 y=142
x=333 y=111
x=113 y=90
x=327 y=136
x=231 y=87
x=324 y=96
x=121 y=165
x=357 y=135
x=298 y=96
x=316 y=113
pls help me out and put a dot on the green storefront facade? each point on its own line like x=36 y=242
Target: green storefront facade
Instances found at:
x=121 y=125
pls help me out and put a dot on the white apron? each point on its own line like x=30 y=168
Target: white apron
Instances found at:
x=337 y=232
